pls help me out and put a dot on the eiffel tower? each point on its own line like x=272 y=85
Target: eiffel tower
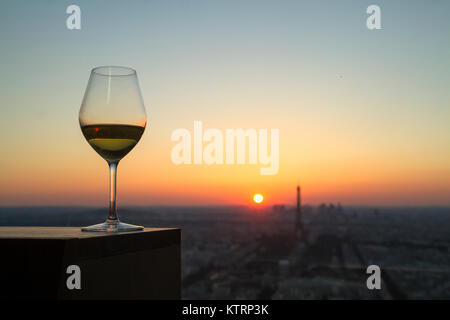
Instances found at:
x=299 y=230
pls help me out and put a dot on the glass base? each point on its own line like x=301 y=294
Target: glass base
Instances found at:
x=112 y=226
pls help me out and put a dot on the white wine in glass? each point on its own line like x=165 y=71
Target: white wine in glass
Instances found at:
x=112 y=119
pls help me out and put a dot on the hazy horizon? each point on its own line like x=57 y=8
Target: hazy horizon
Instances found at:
x=248 y=206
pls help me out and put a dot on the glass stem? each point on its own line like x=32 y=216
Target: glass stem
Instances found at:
x=112 y=192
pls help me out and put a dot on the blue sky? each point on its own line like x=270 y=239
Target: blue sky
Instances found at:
x=311 y=68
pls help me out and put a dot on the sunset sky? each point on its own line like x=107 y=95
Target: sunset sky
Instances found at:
x=363 y=115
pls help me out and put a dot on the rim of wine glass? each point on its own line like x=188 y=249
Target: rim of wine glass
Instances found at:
x=126 y=71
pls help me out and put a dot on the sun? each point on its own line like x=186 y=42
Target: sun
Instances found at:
x=258 y=198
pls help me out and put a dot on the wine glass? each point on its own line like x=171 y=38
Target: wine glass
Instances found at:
x=112 y=119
